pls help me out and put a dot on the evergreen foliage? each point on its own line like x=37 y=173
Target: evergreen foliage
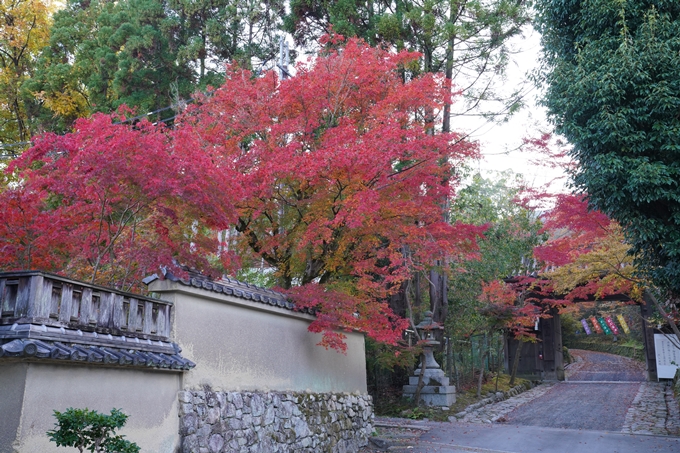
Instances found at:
x=89 y=430
x=467 y=40
x=612 y=72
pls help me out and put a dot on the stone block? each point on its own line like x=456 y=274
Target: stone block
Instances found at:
x=444 y=395
x=272 y=422
x=215 y=443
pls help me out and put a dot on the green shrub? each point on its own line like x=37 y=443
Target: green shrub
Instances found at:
x=91 y=431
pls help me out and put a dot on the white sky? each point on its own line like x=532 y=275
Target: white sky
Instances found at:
x=501 y=145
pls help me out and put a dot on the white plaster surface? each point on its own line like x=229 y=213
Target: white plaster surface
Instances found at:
x=241 y=345
x=149 y=398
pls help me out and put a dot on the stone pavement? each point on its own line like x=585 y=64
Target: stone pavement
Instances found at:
x=496 y=412
x=654 y=411
x=623 y=415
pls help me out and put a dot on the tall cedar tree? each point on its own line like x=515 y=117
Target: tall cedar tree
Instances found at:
x=612 y=73
x=106 y=54
x=466 y=40
x=145 y=54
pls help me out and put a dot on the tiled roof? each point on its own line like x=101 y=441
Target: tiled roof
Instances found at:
x=70 y=345
x=232 y=287
x=58 y=351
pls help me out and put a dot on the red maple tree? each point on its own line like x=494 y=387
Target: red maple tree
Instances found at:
x=334 y=178
x=105 y=203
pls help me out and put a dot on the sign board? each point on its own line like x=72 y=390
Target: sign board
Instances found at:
x=667 y=355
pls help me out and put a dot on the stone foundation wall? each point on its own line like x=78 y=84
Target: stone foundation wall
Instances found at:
x=214 y=422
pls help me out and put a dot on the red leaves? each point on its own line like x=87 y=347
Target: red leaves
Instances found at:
x=102 y=204
x=337 y=309
x=332 y=177
x=573 y=228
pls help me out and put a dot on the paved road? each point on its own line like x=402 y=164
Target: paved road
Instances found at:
x=495 y=438
x=600 y=389
x=596 y=406
x=603 y=408
x=600 y=366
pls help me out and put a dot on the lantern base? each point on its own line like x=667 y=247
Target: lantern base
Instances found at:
x=436 y=392
x=431 y=395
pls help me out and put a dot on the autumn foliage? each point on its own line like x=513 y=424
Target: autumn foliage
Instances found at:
x=105 y=203
x=335 y=179
x=332 y=178
x=586 y=254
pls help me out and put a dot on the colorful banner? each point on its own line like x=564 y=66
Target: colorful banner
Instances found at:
x=605 y=327
x=585 y=327
x=611 y=324
x=622 y=321
x=596 y=326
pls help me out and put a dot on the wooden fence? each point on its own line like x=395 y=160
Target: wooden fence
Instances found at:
x=47 y=299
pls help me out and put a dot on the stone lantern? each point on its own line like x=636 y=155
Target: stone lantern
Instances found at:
x=436 y=390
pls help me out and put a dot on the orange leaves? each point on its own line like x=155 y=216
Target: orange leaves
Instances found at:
x=590 y=252
x=498 y=293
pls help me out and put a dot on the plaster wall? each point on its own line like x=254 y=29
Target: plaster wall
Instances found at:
x=149 y=398
x=241 y=345
x=12 y=382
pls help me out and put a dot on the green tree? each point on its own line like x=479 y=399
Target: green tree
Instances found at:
x=24 y=31
x=146 y=54
x=464 y=39
x=212 y=33
x=90 y=430
x=513 y=231
x=612 y=77
x=105 y=54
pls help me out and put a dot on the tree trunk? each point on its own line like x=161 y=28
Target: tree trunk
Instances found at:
x=500 y=354
x=515 y=363
x=480 y=380
x=421 y=380
x=448 y=72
